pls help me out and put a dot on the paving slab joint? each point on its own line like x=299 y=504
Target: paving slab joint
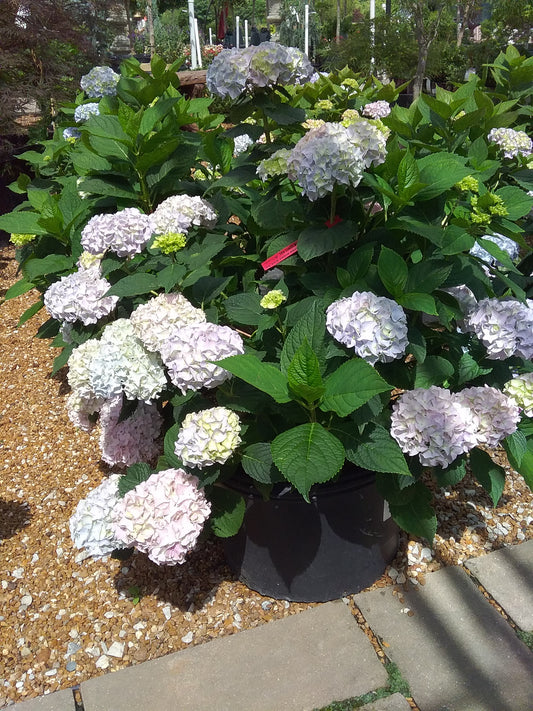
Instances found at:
x=78 y=701
x=490 y=598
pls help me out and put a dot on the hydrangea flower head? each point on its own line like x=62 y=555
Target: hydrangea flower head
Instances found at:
x=520 y=389
x=82 y=410
x=433 y=425
x=126 y=232
x=100 y=81
x=159 y=318
x=377 y=109
x=188 y=355
x=227 y=74
x=497 y=414
x=505 y=327
x=179 y=212
x=79 y=367
x=19 y=240
x=241 y=143
x=91 y=524
x=208 y=437
x=374 y=326
x=170 y=242
x=468 y=183
x=71 y=134
x=511 y=142
x=275 y=165
x=272 y=299
x=505 y=243
x=486 y=207
x=134 y=439
x=80 y=297
x=85 y=111
x=163 y=516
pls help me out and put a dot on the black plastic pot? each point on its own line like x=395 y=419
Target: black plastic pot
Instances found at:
x=337 y=545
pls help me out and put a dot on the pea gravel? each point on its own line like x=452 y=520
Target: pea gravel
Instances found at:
x=64 y=619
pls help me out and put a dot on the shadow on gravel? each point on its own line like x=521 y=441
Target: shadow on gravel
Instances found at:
x=14 y=516
x=194 y=583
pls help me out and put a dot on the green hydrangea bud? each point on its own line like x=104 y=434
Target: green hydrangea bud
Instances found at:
x=273 y=299
x=170 y=242
x=468 y=183
x=19 y=240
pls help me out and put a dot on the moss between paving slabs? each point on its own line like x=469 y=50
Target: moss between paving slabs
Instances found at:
x=396 y=684
x=526 y=637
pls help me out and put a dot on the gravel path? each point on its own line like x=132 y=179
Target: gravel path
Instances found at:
x=64 y=619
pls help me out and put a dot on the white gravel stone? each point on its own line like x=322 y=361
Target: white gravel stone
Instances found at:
x=187 y=639
x=102 y=662
x=116 y=649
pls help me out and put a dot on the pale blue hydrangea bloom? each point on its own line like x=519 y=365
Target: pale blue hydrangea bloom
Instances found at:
x=71 y=133
x=125 y=232
x=505 y=243
x=100 y=81
x=179 y=213
x=85 y=111
x=511 y=142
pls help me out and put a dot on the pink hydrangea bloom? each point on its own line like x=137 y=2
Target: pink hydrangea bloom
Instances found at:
x=377 y=109
x=135 y=439
x=496 y=414
x=163 y=516
x=80 y=296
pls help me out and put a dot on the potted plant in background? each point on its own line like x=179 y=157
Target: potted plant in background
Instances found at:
x=292 y=306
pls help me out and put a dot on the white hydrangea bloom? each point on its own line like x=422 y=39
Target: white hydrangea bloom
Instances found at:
x=91 y=524
x=497 y=415
x=504 y=243
x=79 y=367
x=511 y=142
x=504 y=327
x=371 y=139
x=241 y=143
x=80 y=408
x=275 y=165
x=374 y=326
x=85 y=111
x=179 y=212
x=187 y=355
x=135 y=439
x=433 y=425
x=163 y=516
x=100 y=81
x=126 y=232
x=377 y=109
x=520 y=389
x=80 y=297
x=123 y=364
x=208 y=437
x=155 y=321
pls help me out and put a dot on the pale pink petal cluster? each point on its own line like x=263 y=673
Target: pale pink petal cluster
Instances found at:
x=208 y=437
x=520 y=389
x=376 y=109
x=497 y=414
x=134 y=439
x=91 y=524
x=505 y=327
x=163 y=516
x=434 y=425
x=189 y=352
x=126 y=232
x=155 y=321
x=80 y=296
x=82 y=410
x=374 y=326
x=179 y=213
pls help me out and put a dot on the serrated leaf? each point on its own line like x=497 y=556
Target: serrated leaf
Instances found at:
x=227 y=512
x=418 y=302
x=304 y=375
x=417 y=515
x=435 y=370
x=244 y=308
x=310 y=327
x=168 y=277
x=62 y=358
x=306 y=455
x=168 y=447
x=392 y=271
x=379 y=452
x=451 y=475
x=263 y=376
x=51 y=264
x=31 y=311
x=516 y=447
x=468 y=369
x=18 y=288
x=350 y=386
x=257 y=463
x=489 y=474
x=134 y=284
x=22 y=222
x=315 y=241
x=135 y=474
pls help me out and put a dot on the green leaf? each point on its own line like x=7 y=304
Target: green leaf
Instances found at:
x=468 y=369
x=284 y=114
x=350 y=386
x=306 y=455
x=108 y=187
x=418 y=302
x=490 y=475
x=51 y=264
x=168 y=447
x=379 y=452
x=435 y=370
x=304 y=375
x=478 y=151
x=451 y=475
x=227 y=512
x=244 y=308
x=516 y=447
x=62 y=358
x=427 y=275
x=310 y=327
x=257 y=463
x=135 y=474
x=168 y=277
x=109 y=127
x=456 y=240
x=417 y=344
x=315 y=241
x=134 y=284
x=440 y=171
x=18 y=288
x=516 y=200
x=263 y=376
x=31 y=311
x=417 y=515
x=22 y=222
x=407 y=173
x=127 y=409
x=155 y=113
x=392 y=271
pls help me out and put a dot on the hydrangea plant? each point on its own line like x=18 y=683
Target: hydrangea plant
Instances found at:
x=348 y=285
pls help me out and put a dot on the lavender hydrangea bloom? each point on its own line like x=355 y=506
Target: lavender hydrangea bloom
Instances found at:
x=208 y=437
x=511 y=142
x=91 y=524
x=504 y=243
x=159 y=318
x=126 y=232
x=376 y=109
x=179 y=212
x=85 y=111
x=71 y=133
x=504 y=327
x=226 y=75
x=374 y=326
x=496 y=414
x=163 y=516
x=520 y=389
x=100 y=81
x=135 y=439
x=187 y=355
x=80 y=297
x=433 y=425
x=123 y=364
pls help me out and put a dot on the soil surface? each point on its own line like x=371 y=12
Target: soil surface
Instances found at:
x=64 y=619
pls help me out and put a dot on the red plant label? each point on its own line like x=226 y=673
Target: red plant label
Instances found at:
x=284 y=253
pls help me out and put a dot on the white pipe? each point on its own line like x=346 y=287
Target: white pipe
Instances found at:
x=192 y=36
x=237 y=38
x=372 y=29
x=246 y=33
x=197 y=38
x=306 y=31
x=210 y=36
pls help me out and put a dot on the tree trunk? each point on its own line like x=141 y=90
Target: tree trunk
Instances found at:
x=420 y=70
x=338 y=30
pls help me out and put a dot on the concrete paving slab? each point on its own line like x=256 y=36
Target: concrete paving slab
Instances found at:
x=58 y=701
x=507 y=574
x=300 y=663
x=451 y=645
x=395 y=702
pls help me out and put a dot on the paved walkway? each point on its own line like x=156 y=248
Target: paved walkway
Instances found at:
x=454 y=649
